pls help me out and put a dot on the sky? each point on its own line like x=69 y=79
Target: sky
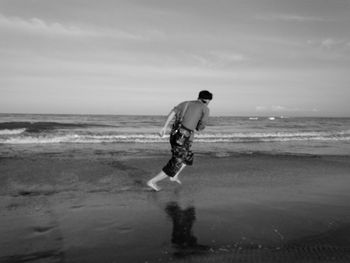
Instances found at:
x=258 y=57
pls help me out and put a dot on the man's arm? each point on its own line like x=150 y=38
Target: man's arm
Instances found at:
x=203 y=121
x=170 y=117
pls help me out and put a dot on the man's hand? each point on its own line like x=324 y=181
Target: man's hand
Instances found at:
x=162 y=132
x=170 y=117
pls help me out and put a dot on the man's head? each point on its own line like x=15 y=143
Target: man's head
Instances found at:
x=205 y=96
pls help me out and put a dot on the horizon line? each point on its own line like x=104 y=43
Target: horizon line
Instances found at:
x=281 y=116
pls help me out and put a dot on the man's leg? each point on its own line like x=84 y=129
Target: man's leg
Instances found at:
x=176 y=176
x=185 y=157
x=153 y=182
x=171 y=169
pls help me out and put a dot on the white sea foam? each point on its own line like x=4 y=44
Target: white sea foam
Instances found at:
x=276 y=135
x=154 y=138
x=11 y=132
x=75 y=138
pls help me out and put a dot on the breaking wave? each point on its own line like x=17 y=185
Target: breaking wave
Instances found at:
x=11 y=132
x=38 y=127
x=19 y=136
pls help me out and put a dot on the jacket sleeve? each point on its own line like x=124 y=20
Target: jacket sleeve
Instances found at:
x=204 y=120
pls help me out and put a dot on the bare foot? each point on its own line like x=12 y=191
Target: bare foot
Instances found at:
x=175 y=179
x=153 y=186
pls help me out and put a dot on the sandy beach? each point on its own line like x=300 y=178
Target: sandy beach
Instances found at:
x=97 y=96
x=83 y=205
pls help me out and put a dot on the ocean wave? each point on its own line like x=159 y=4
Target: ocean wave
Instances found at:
x=26 y=138
x=11 y=132
x=275 y=134
x=38 y=127
x=75 y=138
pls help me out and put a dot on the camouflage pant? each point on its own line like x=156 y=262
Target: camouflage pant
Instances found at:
x=180 y=149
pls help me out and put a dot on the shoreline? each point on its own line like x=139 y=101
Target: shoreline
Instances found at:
x=131 y=150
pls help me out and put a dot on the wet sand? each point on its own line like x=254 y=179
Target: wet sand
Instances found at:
x=93 y=206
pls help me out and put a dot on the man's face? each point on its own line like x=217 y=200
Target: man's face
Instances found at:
x=206 y=101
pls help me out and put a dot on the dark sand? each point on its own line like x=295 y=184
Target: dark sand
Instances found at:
x=93 y=206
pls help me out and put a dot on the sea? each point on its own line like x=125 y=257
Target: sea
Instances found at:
x=269 y=134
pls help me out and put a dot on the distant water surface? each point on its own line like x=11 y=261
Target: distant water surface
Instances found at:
x=233 y=134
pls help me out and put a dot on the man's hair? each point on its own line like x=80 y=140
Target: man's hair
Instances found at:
x=205 y=95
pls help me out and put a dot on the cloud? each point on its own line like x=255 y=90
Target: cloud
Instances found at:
x=260 y=108
x=330 y=43
x=291 y=18
x=36 y=25
x=39 y=26
x=217 y=58
x=129 y=70
x=282 y=108
x=229 y=56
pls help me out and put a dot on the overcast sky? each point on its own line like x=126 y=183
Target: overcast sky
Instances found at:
x=258 y=57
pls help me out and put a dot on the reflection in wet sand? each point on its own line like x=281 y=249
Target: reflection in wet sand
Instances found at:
x=182 y=235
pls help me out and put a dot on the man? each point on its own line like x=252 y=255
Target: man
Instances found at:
x=189 y=116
